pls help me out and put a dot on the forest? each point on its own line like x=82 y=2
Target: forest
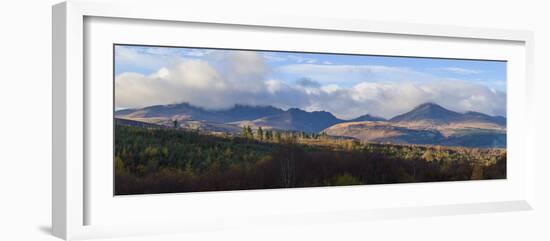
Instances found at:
x=150 y=160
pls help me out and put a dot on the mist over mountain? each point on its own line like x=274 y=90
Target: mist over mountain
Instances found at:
x=187 y=111
x=266 y=116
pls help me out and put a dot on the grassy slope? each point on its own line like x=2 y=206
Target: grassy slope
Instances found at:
x=468 y=134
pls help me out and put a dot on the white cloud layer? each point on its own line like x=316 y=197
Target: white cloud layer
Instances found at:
x=332 y=73
x=243 y=78
x=457 y=70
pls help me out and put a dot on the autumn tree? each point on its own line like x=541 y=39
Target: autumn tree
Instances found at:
x=477 y=172
x=246 y=132
x=278 y=136
x=260 y=133
x=428 y=155
x=249 y=131
x=268 y=135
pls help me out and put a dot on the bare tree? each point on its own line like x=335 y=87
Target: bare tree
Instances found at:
x=287 y=155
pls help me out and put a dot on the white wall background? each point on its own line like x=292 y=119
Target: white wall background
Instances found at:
x=25 y=121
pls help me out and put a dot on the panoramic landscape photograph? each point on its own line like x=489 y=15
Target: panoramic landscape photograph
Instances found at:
x=203 y=119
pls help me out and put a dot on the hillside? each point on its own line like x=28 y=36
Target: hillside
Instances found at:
x=187 y=111
x=428 y=123
x=295 y=120
x=367 y=117
x=383 y=132
x=165 y=160
x=428 y=112
x=431 y=113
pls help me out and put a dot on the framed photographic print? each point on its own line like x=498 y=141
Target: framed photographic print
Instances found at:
x=193 y=119
x=208 y=122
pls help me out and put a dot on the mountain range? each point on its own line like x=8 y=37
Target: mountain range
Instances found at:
x=293 y=119
x=428 y=123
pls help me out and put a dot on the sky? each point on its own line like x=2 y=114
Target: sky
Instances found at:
x=348 y=86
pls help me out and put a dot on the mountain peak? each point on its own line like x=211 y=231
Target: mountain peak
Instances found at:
x=241 y=106
x=428 y=112
x=367 y=117
x=427 y=105
x=435 y=113
x=296 y=110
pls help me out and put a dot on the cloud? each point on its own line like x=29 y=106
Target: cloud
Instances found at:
x=390 y=99
x=307 y=82
x=240 y=78
x=273 y=57
x=287 y=57
x=244 y=77
x=352 y=73
x=331 y=69
x=463 y=71
x=301 y=59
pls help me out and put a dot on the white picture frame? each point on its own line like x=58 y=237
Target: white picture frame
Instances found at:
x=72 y=190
